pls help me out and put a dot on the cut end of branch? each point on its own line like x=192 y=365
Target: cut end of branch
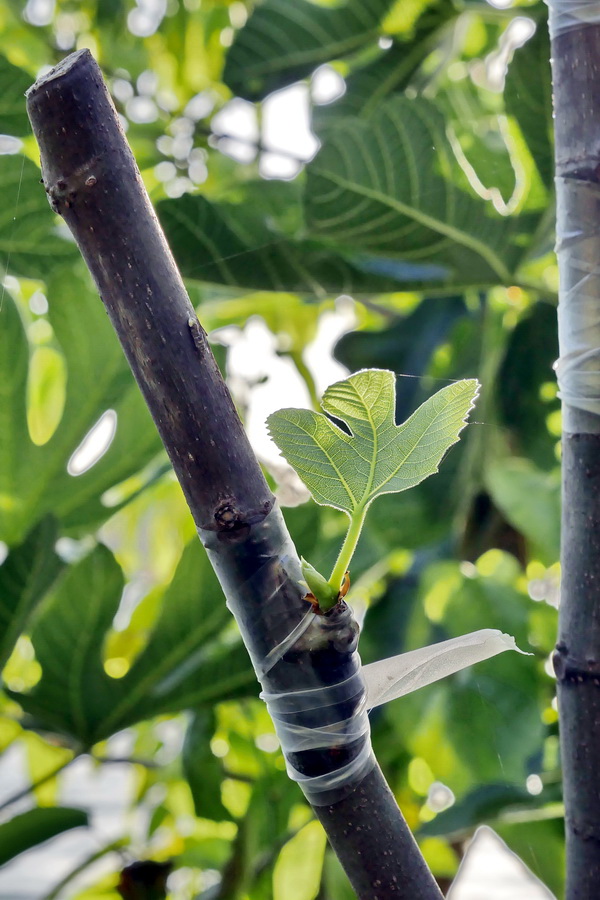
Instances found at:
x=62 y=68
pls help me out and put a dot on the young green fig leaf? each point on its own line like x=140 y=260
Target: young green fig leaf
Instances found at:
x=319 y=587
x=348 y=471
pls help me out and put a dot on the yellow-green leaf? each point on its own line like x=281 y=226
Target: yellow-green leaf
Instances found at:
x=348 y=470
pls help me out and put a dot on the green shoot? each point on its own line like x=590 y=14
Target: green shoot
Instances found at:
x=348 y=471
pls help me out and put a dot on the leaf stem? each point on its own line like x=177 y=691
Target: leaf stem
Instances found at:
x=348 y=547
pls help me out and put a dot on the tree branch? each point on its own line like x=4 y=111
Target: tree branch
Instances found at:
x=576 y=77
x=93 y=182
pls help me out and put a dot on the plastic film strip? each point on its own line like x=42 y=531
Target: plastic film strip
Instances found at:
x=565 y=15
x=578 y=251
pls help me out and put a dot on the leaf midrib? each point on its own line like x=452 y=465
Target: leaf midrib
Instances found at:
x=364 y=500
x=407 y=455
x=428 y=221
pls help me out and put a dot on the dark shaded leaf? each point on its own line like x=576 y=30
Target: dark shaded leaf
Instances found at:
x=480 y=805
x=492 y=709
x=385 y=186
x=29 y=243
x=186 y=663
x=527 y=365
x=202 y=769
x=283 y=42
x=13 y=84
x=36 y=826
x=528 y=97
x=144 y=880
x=237 y=246
x=25 y=576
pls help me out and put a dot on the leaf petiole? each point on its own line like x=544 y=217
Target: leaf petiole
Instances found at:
x=346 y=553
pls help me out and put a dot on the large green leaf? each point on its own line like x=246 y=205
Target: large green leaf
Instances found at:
x=530 y=500
x=29 y=243
x=385 y=186
x=238 y=246
x=14 y=436
x=36 y=826
x=528 y=97
x=526 y=384
x=13 y=84
x=347 y=471
x=186 y=662
x=389 y=72
x=25 y=576
x=202 y=770
x=34 y=479
x=479 y=135
x=283 y=42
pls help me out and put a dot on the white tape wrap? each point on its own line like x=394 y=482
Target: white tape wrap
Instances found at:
x=578 y=251
x=564 y=15
x=324 y=727
x=287 y=709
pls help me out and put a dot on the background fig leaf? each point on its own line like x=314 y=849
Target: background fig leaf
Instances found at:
x=189 y=660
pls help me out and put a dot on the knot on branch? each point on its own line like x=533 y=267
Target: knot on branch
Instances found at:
x=234 y=524
x=570 y=670
x=66 y=189
x=585 y=831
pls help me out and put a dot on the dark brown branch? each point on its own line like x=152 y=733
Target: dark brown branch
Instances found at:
x=93 y=182
x=576 y=77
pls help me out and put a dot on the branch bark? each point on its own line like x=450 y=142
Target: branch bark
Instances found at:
x=92 y=181
x=576 y=77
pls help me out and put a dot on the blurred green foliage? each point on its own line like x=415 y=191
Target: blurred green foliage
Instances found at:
x=429 y=202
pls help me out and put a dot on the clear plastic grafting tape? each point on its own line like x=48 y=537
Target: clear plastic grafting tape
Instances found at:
x=564 y=15
x=307 y=664
x=578 y=251
x=389 y=679
x=315 y=689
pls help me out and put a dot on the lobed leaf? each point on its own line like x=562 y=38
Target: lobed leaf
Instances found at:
x=187 y=662
x=348 y=470
x=386 y=184
x=34 y=480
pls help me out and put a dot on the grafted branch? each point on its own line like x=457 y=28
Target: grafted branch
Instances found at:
x=576 y=77
x=93 y=182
